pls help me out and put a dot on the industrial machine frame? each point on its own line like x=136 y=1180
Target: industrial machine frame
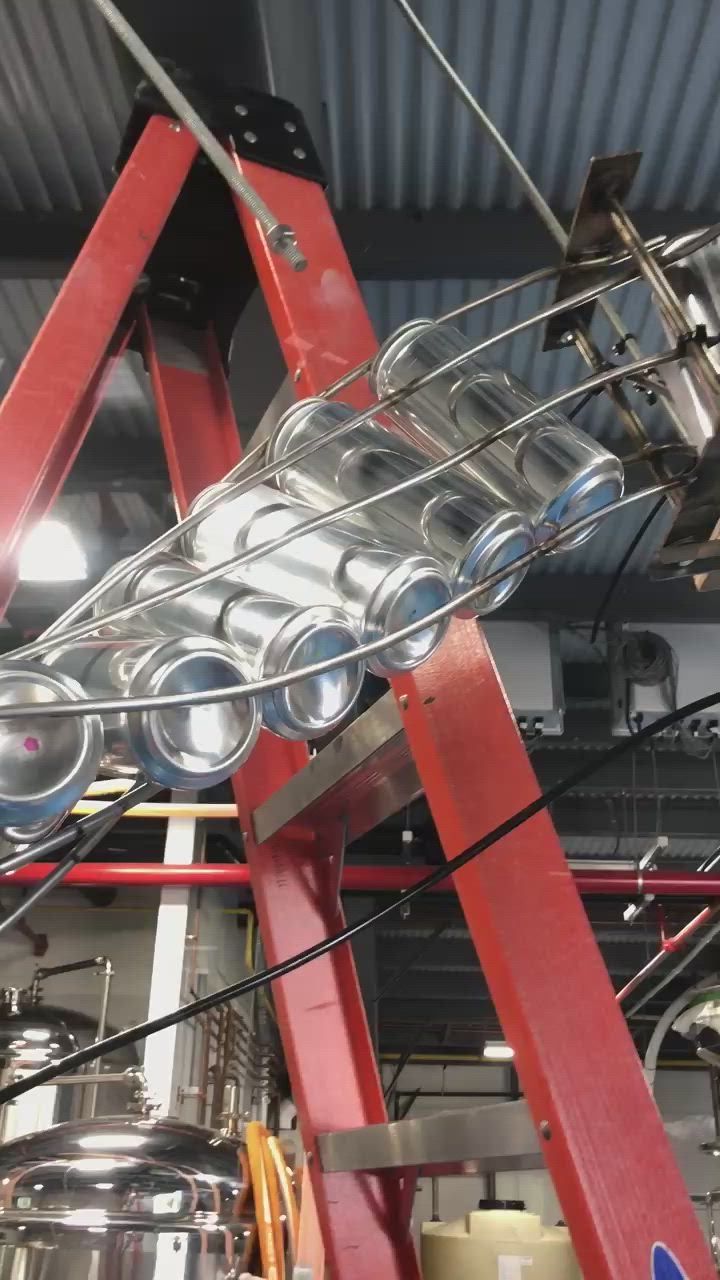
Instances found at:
x=599 y=1130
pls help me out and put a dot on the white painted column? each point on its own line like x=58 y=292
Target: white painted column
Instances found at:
x=173 y=926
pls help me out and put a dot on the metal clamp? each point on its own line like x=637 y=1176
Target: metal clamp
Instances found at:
x=647 y=863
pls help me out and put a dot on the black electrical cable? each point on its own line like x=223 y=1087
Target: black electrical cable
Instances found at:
x=78 y=830
x=121 y=1039
x=581 y=404
x=77 y=854
x=624 y=559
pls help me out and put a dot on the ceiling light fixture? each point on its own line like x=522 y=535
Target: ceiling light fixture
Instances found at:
x=498 y=1051
x=52 y=553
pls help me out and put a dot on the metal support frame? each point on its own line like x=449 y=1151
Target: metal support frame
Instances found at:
x=601 y=1136
x=702 y=561
x=590 y=231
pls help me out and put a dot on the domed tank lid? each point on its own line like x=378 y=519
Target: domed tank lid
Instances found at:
x=33 y=1033
x=126 y=1173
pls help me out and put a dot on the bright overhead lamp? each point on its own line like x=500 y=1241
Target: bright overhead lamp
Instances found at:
x=52 y=553
x=498 y=1051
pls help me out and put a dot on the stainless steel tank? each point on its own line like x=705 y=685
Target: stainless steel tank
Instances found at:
x=471 y=531
x=32 y=1034
x=271 y=635
x=549 y=469
x=383 y=589
x=178 y=747
x=125 y=1199
x=46 y=764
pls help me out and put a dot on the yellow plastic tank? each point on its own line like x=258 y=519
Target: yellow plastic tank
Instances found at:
x=497 y=1244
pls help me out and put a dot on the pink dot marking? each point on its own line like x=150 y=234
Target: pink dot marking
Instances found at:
x=31 y=744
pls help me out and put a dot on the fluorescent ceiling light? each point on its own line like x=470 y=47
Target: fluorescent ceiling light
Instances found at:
x=498 y=1051
x=52 y=553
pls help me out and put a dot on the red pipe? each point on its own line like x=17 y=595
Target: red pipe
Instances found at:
x=670 y=943
x=679 y=939
x=373 y=879
x=394 y=879
x=631 y=884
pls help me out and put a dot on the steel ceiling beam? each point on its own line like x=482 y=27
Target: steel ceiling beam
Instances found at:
x=574 y=597
x=438 y=244
x=228 y=46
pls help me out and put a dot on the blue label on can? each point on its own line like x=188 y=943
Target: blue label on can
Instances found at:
x=665 y=1265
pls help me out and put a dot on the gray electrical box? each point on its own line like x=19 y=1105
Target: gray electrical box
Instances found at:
x=695 y=672
x=527 y=657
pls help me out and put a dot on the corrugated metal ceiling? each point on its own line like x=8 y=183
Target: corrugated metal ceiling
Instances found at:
x=562 y=79
x=63 y=105
x=692 y=848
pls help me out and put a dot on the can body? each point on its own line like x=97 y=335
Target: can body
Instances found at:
x=271 y=635
x=549 y=469
x=467 y=527
x=178 y=747
x=25 y=834
x=46 y=763
x=382 y=589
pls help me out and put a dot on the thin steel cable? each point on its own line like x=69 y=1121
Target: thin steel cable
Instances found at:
x=248 y=461
x=121 y=1039
x=533 y=193
x=252 y=688
x=624 y=561
x=279 y=235
x=269 y=471
x=124 y=613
